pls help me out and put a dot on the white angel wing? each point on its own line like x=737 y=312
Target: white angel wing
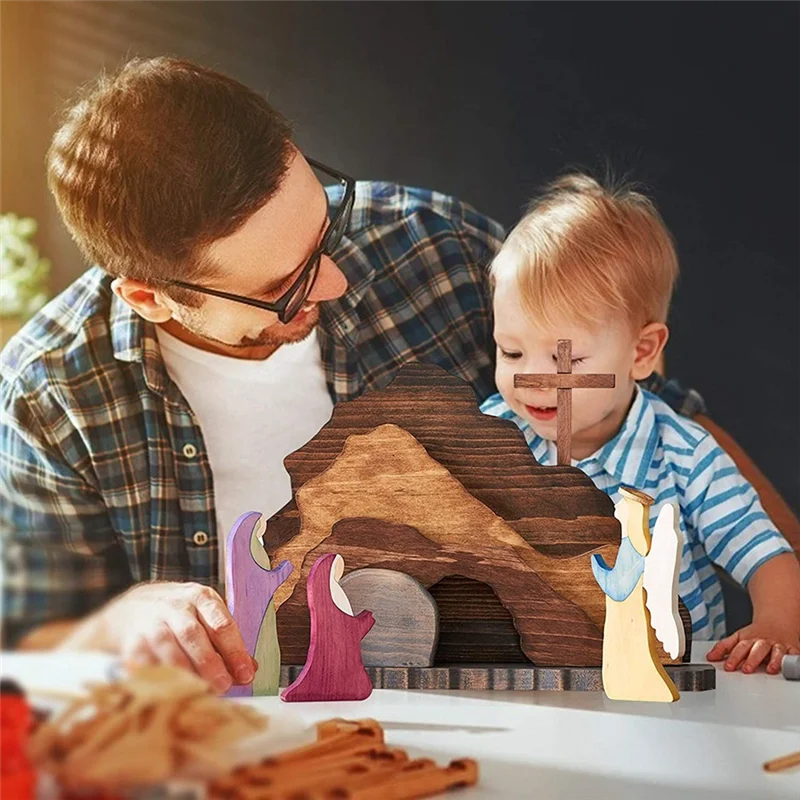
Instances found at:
x=661 y=570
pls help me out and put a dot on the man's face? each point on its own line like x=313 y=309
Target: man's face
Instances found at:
x=524 y=347
x=260 y=261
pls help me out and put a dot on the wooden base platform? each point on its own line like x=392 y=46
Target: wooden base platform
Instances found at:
x=515 y=677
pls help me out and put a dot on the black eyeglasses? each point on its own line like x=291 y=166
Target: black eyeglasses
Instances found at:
x=293 y=299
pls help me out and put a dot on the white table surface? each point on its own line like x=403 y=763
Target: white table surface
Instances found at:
x=561 y=745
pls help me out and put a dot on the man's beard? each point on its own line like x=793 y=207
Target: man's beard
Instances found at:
x=273 y=336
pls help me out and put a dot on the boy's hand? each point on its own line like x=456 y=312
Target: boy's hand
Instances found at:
x=754 y=644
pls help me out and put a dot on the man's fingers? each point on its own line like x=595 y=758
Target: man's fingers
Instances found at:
x=194 y=641
x=758 y=652
x=738 y=654
x=723 y=647
x=138 y=653
x=165 y=646
x=776 y=656
x=225 y=635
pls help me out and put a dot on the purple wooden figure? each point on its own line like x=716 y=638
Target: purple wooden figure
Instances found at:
x=333 y=669
x=249 y=586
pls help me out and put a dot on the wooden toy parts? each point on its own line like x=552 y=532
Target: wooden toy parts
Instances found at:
x=641 y=592
x=414 y=478
x=662 y=569
x=564 y=382
x=349 y=761
x=250 y=584
x=406 y=628
x=333 y=670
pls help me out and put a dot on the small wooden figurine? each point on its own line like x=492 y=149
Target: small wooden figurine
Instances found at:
x=334 y=669
x=564 y=382
x=250 y=585
x=641 y=593
x=406 y=628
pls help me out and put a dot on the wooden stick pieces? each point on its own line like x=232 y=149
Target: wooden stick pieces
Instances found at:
x=349 y=761
x=783 y=763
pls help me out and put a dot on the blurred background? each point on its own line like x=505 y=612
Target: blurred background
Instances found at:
x=486 y=101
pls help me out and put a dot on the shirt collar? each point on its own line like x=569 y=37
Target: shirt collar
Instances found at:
x=134 y=339
x=628 y=455
x=341 y=317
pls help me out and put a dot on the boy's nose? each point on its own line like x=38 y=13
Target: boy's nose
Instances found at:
x=330 y=284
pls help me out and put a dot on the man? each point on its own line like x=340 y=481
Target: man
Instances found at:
x=153 y=402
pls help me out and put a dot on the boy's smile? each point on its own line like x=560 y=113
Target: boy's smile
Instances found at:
x=542 y=413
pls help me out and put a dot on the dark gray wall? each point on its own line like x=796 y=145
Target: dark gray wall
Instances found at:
x=697 y=100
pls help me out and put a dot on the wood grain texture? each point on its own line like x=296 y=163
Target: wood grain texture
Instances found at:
x=552 y=630
x=557 y=381
x=516 y=677
x=476 y=628
x=406 y=630
x=564 y=406
x=249 y=587
x=333 y=670
x=556 y=510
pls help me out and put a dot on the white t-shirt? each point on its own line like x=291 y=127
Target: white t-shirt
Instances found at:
x=252 y=415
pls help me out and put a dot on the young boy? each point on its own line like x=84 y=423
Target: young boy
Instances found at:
x=597 y=265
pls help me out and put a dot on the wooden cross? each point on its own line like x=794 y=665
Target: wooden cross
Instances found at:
x=564 y=381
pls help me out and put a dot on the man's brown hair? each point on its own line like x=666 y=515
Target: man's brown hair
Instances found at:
x=157 y=161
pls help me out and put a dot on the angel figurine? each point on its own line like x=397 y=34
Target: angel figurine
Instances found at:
x=641 y=602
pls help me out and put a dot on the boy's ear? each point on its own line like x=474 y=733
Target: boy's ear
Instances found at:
x=649 y=346
x=143 y=299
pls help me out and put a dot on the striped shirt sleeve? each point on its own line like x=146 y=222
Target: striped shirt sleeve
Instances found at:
x=724 y=511
x=60 y=557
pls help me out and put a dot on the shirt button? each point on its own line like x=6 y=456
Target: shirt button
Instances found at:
x=200 y=538
x=189 y=450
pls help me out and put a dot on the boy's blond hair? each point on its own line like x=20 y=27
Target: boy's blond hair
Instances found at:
x=585 y=252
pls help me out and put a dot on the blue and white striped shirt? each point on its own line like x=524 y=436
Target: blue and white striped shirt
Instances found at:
x=676 y=460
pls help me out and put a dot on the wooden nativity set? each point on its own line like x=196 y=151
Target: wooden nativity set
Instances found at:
x=469 y=565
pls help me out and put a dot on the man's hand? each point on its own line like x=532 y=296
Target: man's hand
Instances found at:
x=183 y=624
x=754 y=644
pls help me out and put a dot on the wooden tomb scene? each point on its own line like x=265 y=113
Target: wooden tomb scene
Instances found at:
x=414 y=479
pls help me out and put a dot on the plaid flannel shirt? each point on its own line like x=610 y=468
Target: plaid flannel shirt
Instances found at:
x=104 y=477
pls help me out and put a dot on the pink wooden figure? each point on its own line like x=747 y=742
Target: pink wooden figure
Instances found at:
x=333 y=668
x=249 y=586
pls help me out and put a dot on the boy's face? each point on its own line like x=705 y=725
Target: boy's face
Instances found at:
x=524 y=347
